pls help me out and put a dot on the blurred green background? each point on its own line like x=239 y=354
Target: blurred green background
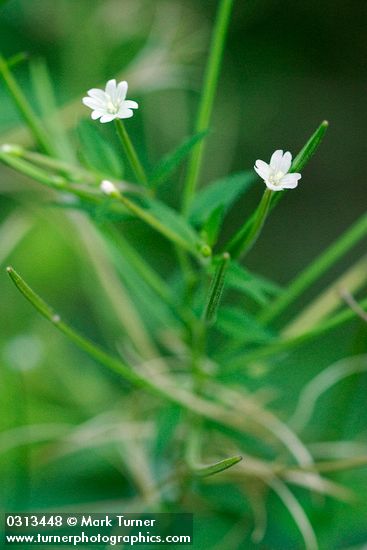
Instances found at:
x=288 y=65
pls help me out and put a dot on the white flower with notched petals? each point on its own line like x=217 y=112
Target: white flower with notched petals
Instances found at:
x=275 y=174
x=111 y=102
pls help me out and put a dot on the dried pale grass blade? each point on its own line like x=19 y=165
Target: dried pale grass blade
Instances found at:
x=320 y=384
x=31 y=433
x=328 y=301
x=296 y=511
x=12 y=230
x=319 y=484
x=248 y=408
x=337 y=449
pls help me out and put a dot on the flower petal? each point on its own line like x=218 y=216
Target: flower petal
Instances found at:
x=107 y=118
x=262 y=168
x=96 y=93
x=273 y=187
x=96 y=114
x=286 y=162
x=122 y=90
x=276 y=160
x=111 y=89
x=290 y=181
x=125 y=113
x=92 y=103
x=128 y=104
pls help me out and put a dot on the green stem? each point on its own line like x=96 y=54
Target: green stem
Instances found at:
x=50 y=180
x=216 y=289
x=298 y=164
x=291 y=343
x=162 y=387
x=312 y=273
x=25 y=109
x=246 y=237
x=86 y=345
x=155 y=223
x=28 y=169
x=131 y=153
x=130 y=254
x=207 y=99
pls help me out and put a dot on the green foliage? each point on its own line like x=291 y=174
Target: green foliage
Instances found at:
x=171 y=162
x=241 y=327
x=97 y=154
x=188 y=412
x=219 y=195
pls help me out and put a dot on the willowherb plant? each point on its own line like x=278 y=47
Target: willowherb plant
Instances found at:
x=183 y=344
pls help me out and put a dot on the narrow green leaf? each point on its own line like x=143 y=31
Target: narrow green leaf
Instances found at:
x=161 y=386
x=17 y=59
x=241 y=327
x=211 y=228
x=97 y=154
x=309 y=148
x=250 y=284
x=43 y=87
x=223 y=192
x=246 y=233
x=216 y=289
x=218 y=467
x=207 y=98
x=25 y=109
x=172 y=161
x=173 y=220
x=317 y=268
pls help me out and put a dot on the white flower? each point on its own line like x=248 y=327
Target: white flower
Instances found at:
x=275 y=174
x=108 y=188
x=110 y=103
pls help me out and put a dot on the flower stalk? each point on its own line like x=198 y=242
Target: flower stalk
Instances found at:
x=109 y=189
x=131 y=153
x=246 y=237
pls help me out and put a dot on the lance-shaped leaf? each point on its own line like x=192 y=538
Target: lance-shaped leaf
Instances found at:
x=171 y=162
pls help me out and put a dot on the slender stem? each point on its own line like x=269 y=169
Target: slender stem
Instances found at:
x=25 y=109
x=246 y=237
x=162 y=386
x=312 y=273
x=86 y=345
x=155 y=223
x=50 y=180
x=216 y=289
x=145 y=271
x=285 y=345
x=131 y=153
x=298 y=164
x=207 y=99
